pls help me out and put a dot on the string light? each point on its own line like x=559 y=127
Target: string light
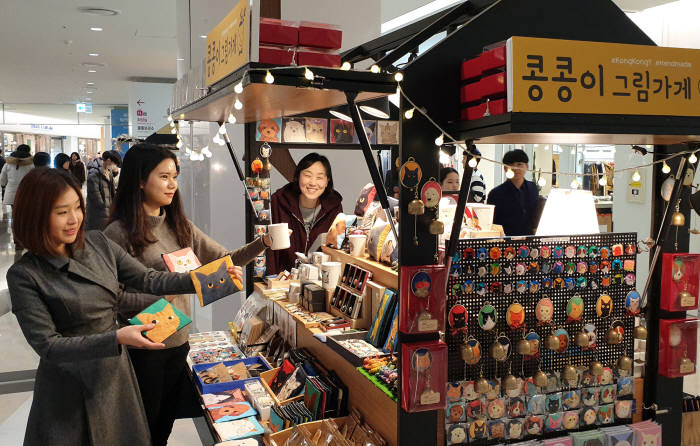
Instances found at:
x=440 y=140
x=636 y=176
x=472 y=162
x=218 y=140
x=375 y=69
x=269 y=78
x=172 y=123
x=666 y=168
x=206 y=152
x=238 y=104
x=541 y=182
x=409 y=113
x=346 y=66
x=193 y=156
x=222 y=129
x=173 y=130
x=603 y=181
x=231 y=118
x=692 y=158
x=170 y=118
x=179 y=144
x=398 y=77
x=509 y=173
x=308 y=74
x=239 y=87
x=574 y=184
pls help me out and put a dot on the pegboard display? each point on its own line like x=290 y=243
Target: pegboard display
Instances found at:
x=524 y=270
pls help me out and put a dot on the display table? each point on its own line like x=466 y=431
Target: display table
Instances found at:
x=381 y=273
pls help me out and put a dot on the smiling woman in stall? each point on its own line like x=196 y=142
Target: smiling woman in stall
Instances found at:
x=308 y=204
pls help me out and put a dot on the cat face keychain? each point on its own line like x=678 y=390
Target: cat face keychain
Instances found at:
x=604 y=306
x=421 y=285
x=488 y=317
x=515 y=316
x=422 y=363
x=410 y=175
x=431 y=193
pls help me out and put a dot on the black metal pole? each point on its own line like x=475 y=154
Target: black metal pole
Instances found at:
x=239 y=170
x=367 y=152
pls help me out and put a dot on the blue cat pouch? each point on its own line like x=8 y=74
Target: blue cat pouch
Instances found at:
x=213 y=282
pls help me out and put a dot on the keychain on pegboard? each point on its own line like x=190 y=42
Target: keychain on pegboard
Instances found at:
x=410 y=175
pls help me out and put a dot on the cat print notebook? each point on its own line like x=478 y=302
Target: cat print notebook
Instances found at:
x=167 y=318
x=212 y=282
x=181 y=261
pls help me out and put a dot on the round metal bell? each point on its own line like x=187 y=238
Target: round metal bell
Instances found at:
x=482 y=386
x=582 y=339
x=640 y=332
x=498 y=351
x=416 y=207
x=510 y=382
x=570 y=374
x=524 y=347
x=596 y=368
x=467 y=353
x=613 y=336
x=534 y=346
x=540 y=379
x=436 y=227
x=552 y=342
x=625 y=363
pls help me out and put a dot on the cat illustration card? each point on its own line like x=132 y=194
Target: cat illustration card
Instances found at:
x=167 y=318
x=181 y=261
x=371 y=130
x=213 y=282
x=316 y=130
x=243 y=428
x=294 y=130
x=387 y=132
x=223 y=398
x=341 y=131
x=232 y=412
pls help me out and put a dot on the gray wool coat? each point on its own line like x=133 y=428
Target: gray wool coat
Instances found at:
x=85 y=391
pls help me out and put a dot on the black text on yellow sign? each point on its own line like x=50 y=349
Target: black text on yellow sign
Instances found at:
x=228 y=44
x=566 y=76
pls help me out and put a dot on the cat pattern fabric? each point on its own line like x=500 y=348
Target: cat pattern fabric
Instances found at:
x=165 y=316
x=213 y=282
x=181 y=261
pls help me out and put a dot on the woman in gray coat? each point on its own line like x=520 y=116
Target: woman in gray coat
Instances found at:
x=65 y=294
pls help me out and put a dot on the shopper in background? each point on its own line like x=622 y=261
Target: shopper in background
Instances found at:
x=308 y=205
x=515 y=199
x=95 y=164
x=42 y=159
x=100 y=191
x=77 y=168
x=62 y=161
x=148 y=221
x=477 y=189
x=64 y=293
x=17 y=165
x=449 y=179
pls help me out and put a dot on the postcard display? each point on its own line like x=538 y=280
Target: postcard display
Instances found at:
x=543 y=289
x=259 y=195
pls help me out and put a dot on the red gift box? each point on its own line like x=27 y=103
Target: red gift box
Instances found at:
x=277 y=55
x=423 y=376
x=488 y=87
x=495 y=107
x=677 y=347
x=680 y=282
x=317 y=58
x=494 y=59
x=278 y=32
x=422 y=304
x=320 y=35
x=471 y=69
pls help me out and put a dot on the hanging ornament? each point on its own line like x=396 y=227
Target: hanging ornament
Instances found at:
x=640 y=331
x=431 y=193
x=574 y=308
x=500 y=349
x=410 y=175
x=488 y=317
x=471 y=351
x=604 y=306
x=540 y=378
x=544 y=311
x=515 y=316
x=615 y=333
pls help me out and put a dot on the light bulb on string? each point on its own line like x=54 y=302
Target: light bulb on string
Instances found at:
x=231 y=118
x=409 y=113
x=173 y=130
x=472 y=162
x=375 y=68
x=666 y=168
x=239 y=87
x=172 y=123
x=541 y=182
x=269 y=78
x=574 y=184
x=308 y=74
x=440 y=140
x=238 y=104
x=170 y=118
x=222 y=129
x=179 y=144
x=603 y=180
x=346 y=66
x=193 y=156
x=398 y=76
x=692 y=159
x=636 y=176
x=509 y=173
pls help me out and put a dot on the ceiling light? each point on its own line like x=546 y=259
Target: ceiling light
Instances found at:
x=95 y=28
x=89 y=92
x=340 y=115
x=89 y=83
x=222 y=129
x=374 y=112
x=98 y=11
x=203 y=36
x=92 y=71
x=93 y=54
x=92 y=65
x=180 y=59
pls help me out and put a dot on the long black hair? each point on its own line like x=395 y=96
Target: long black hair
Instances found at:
x=59 y=159
x=305 y=163
x=128 y=209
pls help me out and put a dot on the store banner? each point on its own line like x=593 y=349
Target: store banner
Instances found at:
x=228 y=44
x=567 y=76
x=120 y=126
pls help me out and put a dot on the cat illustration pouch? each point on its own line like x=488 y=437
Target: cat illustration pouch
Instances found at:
x=425 y=363
x=424 y=309
x=165 y=316
x=181 y=261
x=213 y=282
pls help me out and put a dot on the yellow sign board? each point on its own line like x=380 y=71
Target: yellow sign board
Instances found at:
x=228 y=44
x=567 y=76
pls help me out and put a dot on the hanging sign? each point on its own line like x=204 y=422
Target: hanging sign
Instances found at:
x=228 y=44
x=567 y=76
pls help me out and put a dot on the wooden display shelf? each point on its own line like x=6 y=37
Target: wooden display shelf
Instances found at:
x=381 y=273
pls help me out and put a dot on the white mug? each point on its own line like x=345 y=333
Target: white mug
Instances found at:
x=357 y=244
x=330 y=274
x=317 y=258
x=308 y=272
x=279 y=236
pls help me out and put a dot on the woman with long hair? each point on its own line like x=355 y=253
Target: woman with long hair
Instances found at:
x=148 y=221
x=77 y=168
x=65 y=291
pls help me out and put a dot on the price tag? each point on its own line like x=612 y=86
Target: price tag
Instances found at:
x=429 y=397
x=687 y=300
x=428 y=325
x=687 y=367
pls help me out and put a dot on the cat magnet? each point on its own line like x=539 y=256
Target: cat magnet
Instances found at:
x=633 y=303
x=488 y=317
x=544 y=311
x=410 y=174
x=431 y=193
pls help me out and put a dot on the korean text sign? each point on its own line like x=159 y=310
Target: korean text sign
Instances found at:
x=228 y=44
x=566 y=76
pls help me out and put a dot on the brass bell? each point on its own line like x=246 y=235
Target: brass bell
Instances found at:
x=436 y=227
x=416 y=207
x=534 y=346
x=510 y=382
x=524 y=347
x=624 y=363
x=498 y=351
x=540 y=379
x=467 y=353
x=582 y=339
x=552 y=342
x=613 y=336
x=686 y=366
x=482 y=386
x=596 y=368
x=640 y=332
x=570 y=375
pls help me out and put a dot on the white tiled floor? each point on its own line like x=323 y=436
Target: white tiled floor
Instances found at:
x=17 y=355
